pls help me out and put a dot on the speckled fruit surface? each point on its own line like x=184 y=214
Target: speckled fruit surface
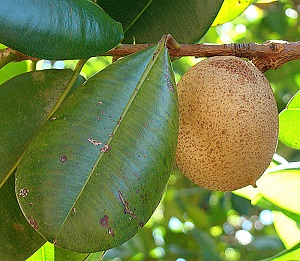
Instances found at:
x=228 y=123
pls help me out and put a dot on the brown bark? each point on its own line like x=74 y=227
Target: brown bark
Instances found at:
x=269 y=55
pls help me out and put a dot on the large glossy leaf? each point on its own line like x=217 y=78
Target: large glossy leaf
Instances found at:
x=281 y=186
x=66 y=29
x=25 y=103
x=231 y=9
x=146 y=21
x=289 y=123
x=94 y=175
x=18 y=240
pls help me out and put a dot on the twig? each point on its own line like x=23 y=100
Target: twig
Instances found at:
x=269 y=55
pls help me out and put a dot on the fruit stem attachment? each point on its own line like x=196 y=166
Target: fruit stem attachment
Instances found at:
x=68 y=87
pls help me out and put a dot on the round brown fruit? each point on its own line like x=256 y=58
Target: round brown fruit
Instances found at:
x=228 y=128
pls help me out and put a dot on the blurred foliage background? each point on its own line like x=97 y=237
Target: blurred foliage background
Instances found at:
x=192 y=223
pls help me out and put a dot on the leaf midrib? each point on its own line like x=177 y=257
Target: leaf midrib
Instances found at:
x=138 y=16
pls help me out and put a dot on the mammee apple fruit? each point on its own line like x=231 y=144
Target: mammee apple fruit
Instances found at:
x=228 y=128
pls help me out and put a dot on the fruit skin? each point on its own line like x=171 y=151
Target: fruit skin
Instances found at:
x=228 y=124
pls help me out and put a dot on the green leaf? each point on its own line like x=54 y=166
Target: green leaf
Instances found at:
x=96 y=173
x=45 y=253
x=231 y=9
x=66 y=29
x=63 y=254
x=284 y=225
x=289 y=123
x=258 y=199
x=146 y=21
x=25 y=103
x=288 y=254
x=17 y=238
x=248 y=192
x=12 y=69
x=281 y=186
x=95 y=256
x=49 y=252
x=294 y=103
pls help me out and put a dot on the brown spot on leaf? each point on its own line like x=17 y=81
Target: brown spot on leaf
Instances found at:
x=105 y=148
x=62 y=159
x=125 y=203
x=155 y=54
x=104 y=221
x=111 y=231
x=119 y=121
x=33 y=222
x=18 y=227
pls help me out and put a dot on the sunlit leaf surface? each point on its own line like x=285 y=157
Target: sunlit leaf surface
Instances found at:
x=284 y=181
x=45 y=253
x=284 y=225
x=231 y=9
x=48 y=252
x=289 y=123
x=12 y=69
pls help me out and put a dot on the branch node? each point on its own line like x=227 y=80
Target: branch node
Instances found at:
x=276 y=46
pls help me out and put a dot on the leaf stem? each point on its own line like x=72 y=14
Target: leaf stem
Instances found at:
x=74 y=77
x=7 y=57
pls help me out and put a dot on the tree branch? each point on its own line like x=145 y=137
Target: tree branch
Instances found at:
x=269 y=55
